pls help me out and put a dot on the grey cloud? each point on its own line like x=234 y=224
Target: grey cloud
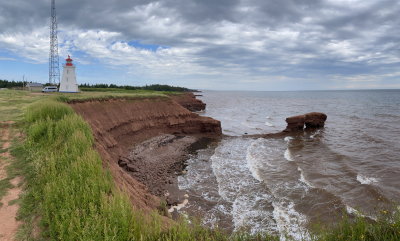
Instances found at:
x=205 y=11
x=370 y=30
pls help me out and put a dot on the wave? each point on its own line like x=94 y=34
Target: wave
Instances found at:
x=253 y=160
x=288 y=155
x=254 y=211
x=290 y=222
x=268 y=124
x=303 y=179
x=288 y=138
x=366 y=180
x=355 y=212
x=315 y=134
x=239 y=184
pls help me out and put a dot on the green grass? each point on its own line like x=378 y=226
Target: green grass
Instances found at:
x=96 y=95
x=14 y=102
x=70 y=191
x=387 y=227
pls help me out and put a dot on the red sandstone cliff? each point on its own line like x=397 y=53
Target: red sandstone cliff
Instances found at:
x=189 y=101
x=120 y=124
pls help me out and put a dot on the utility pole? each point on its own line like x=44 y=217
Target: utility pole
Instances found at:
x=54 y=68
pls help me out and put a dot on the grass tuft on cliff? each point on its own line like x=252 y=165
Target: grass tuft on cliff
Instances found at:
x=68 y=188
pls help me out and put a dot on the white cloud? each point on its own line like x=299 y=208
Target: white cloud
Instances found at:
x=33 y=46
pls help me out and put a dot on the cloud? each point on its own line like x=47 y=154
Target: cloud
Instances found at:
x=211 y=43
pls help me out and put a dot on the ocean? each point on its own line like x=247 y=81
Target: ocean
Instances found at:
x=287 y=185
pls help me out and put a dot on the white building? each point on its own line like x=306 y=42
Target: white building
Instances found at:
x=68 y=81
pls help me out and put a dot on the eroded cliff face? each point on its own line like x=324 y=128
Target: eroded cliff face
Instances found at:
x=189 y=101
x=120 y=124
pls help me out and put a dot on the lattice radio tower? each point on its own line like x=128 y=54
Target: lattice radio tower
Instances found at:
x=54 y=69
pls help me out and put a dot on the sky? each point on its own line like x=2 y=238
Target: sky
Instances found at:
x=209 y=44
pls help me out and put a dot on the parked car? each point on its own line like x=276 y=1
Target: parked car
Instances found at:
x=50 y=89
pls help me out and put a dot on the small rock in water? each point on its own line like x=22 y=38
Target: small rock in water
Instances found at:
x=184 y=172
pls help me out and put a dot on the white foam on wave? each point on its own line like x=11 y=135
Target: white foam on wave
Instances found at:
x=262 y=155
x=303 y=179
x=252 y=161
x=247 y=213
x=355 y=212
x=241 y=187
x=315 y=134
x=268 y=117
x=288 y=155
x=229 y=167
x=290 y=222
x=241 y=167
x=268 y=124
x=366 y=180
x=288 y=138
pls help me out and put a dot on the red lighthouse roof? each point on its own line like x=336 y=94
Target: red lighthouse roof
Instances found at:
x=69 y=61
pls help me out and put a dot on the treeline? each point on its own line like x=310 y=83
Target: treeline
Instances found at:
x=155 y=87
x=11 y=84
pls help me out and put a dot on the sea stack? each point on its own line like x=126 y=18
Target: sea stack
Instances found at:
x=309 y=120
x=68 y=82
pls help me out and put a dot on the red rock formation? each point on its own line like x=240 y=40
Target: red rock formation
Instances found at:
x=119 y=124
x=189 y=101
x=309 y=120
x=295 y=123
x=315 y=120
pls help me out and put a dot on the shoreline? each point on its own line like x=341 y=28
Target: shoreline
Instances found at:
x=146 y=142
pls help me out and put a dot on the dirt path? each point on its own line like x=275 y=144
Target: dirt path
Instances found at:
x=8 y=209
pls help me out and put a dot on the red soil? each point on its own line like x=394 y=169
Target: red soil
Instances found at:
x=119 y=125
x=8 y=211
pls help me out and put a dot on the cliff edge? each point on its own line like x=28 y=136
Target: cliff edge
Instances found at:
x=121 y=125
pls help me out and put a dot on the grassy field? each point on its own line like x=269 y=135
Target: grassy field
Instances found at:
x=70 y=196
x=111 y=94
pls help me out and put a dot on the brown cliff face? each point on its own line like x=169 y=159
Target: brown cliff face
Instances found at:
x=120 y=124
x=189 y=101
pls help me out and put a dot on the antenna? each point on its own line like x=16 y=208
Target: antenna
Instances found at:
x=54 y=69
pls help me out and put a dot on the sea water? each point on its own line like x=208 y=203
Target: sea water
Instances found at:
x=285 y=185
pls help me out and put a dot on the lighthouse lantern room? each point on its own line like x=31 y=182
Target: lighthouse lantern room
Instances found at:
x=68 y=82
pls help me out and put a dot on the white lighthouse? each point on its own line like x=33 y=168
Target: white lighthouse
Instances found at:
x=68 y=81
